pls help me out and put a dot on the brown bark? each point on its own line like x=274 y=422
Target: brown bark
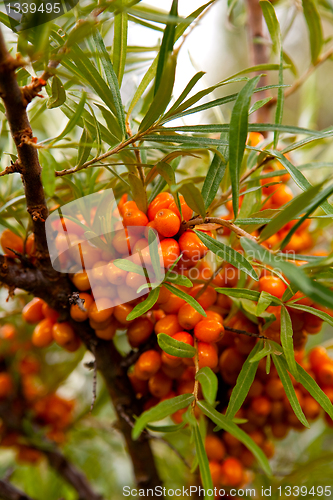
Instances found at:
x=10 y=492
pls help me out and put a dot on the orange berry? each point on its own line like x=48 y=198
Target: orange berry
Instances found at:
x=124 y=242
x=325 y=373
x=191 y=246
x=81 y=281
x=147 y=365
x=42 y=334
x=208 y=330
x=272 y=285
x=261 y=405
x=186 y=210
x=167 y=223
x=162 y=200
x=173 y=304
x=76 y=313
x=63 y=334
x=232 y=472
x=311 y=408
x=254 y=138
x=159 y=385
x=181 y=337
x=121 y=311
x=128 y=205
x=50 y=313
x=134 y=217
x=214 y=315
x=214 y=447
x=163 y=295
x=207 y=298
x=169 y=251
x=215 y=472
x=122 y=202
x=318 y=357
x=188 y=317
x=115 y=275
x=6 y=385
x=140 y=387
x=108 y=332
x=139 y=331
x=282 y=196
x=7 y=332
x=274 y=389
x=168 y=325
x=102 y=312
x=8 y=239
x=32 y=312
x=207 y=354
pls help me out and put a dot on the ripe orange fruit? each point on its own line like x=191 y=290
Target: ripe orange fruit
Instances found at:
x=215 y=448
x=162 y=200
x=134 y=217
x=272 y=285
x=42 y=334
x=8 y=239
x=139 y=331
x=169 y=251
x=168 y=325
x=181 y=337
x=63 y=334
x=159 y=385
x=166 y=222
x=186 y=210
x=188 y=317
x=6 y=385
x=208 y=330
x=207 y=354
x=50 y=313
x=76 y=313
x=81 y=281
x=191 y=246
x=147 y=365
x=282 y=196
x=261 y=405
x=33 y=312
x=107 y=333
x=102 y=312
x=207 y=298
x=232 y=472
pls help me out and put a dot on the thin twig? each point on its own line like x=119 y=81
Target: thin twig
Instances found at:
x=10 y=492
x=243 y=332
x=221 y=222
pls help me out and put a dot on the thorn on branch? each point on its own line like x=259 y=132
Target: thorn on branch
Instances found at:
x=13 y=168
x=32 y=90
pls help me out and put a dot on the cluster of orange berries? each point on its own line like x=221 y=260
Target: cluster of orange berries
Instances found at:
x=23 y=396
x=10 y=241
x=48 y=329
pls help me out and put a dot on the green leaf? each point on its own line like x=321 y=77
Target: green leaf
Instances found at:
x=73 y=120
x=120 y=44
x=313 y=22
x=289 y=389
x=299 y=178
x=227 y=253
x=272 y=24
x=167 y=172
x=154 y=254
x=138 y=192
x=129 y=266
x=240 y=293
x=253 y=127
x=84 y=147
x=58 y=94
x=209 y=384
x=185 y=296
x=175 y=347
x=259 y=104
x=49 y=166
x=160 y=411
x=202 y=458
x=144 y=306
x=287 y=340
x=185 y=92
x=316 y=201
x=238 y=136
x=214 y=176
x=244 y=382
x=229 y=426
x=270 y=347
x=193 y=198
x=290 y=212
x=111 y=78
x=312 y=310
x=264 y=301
x=178 y=279
x=166 y=428
x=316 y=392
x=166 y=45
x=163 y=94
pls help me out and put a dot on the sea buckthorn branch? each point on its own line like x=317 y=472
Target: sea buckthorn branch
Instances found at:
x=108 y=361
x=28 y=163
x=10 y=492
x=216 y=220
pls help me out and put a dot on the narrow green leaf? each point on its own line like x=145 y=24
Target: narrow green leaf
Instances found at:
x=238 y=136
x=264 y=301
x=163 y=94
x=269 y=348
x=58 y=94
x=84 y=147
x=202 y=458
x=229 y=426
x=290 y=212
x=185 y=92
x=316 y=392
x=166 y=428
x=160 y=411
x=240 y=293
x=259 y=104
x=185 y=296
x=120 y=44
x=167 y=172
x=214 y=176
x=73 y=120
x=179 y=279
x=111 y=79
x=129 y=266
x=299 y=178
x=312 y=310
x=253 y=127
x=175 y=347
x=166 y=45
x=138 y=192
x=313 y=22
x=193 y=198
x=244 y=382
x=154 y=254
x=227 y=253
x=287 y=340
x=209 y=383
x=272 y=24
x=289 y=389
x=144 y=306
